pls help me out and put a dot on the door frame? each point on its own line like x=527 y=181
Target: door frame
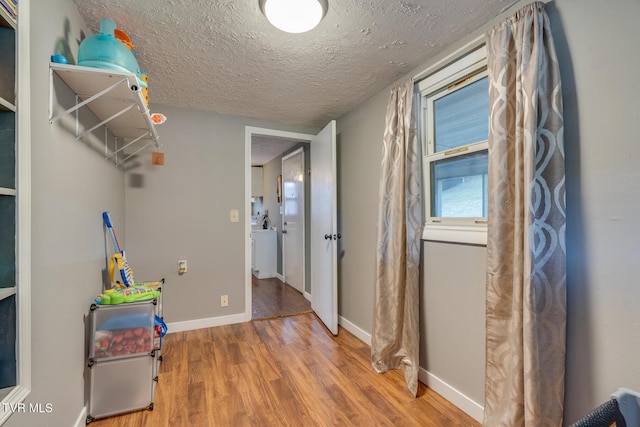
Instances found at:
x=249 y=131
x=297 y=151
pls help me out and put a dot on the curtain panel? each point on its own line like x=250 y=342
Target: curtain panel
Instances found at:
x=396 y=329
x=526 y=271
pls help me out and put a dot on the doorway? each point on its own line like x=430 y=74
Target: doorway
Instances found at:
x=270 y=296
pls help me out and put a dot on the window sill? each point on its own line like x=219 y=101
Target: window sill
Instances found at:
x=469 y=234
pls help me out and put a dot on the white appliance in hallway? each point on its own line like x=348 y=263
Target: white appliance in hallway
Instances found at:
x=264 y=248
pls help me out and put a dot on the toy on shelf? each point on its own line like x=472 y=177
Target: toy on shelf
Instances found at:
x=122 y=342
x=118 y=260
x=158 y=118
x=106 y=51
x=145 y=90
x=59 y=59
x=124 y=38
x=127 y=295
x=125 y=335
x=160 y=330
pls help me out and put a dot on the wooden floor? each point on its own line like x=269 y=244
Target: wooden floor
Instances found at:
x=273 y=298
x=287 y=371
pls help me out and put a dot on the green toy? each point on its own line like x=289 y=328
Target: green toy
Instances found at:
x=125 y=295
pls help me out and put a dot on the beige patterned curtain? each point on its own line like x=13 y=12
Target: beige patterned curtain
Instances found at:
x=526 y=278
x=396 y=333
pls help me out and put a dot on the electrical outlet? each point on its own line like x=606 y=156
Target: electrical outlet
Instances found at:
x=224 y=300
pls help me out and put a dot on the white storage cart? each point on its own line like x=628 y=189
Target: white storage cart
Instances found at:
x=124 y=357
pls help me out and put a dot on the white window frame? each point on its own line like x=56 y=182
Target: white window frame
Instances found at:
x=467 y=68
x=18 y=393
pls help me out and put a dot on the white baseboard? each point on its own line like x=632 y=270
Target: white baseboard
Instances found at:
x=307 y=296
x=210 y=322
x=457 y=398
x=81 y=421
x=361 y=334
x=280 y=277
x=466 y=404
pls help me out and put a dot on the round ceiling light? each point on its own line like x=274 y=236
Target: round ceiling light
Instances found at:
x=294 y=16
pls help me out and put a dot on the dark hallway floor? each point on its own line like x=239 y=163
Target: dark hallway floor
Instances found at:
x=274 y=298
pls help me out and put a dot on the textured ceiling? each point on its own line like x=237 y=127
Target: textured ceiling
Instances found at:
x=223 y=55
x=266 y=148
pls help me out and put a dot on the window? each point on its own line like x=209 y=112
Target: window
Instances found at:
x=15 y=214
x=454 y=128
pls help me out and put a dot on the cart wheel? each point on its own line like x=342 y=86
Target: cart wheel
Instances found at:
x=89 y=419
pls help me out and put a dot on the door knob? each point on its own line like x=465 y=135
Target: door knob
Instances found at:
x=327 y=237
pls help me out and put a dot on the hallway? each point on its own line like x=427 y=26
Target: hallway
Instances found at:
x=273 y=298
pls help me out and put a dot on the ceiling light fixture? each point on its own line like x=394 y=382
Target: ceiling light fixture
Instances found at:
x=294 y=16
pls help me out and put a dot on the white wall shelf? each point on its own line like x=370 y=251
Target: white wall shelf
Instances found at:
x=114 y=97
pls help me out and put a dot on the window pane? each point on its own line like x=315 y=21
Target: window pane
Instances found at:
x=7 y=150
x=8 y=373
x=459 y=186
x=461 y=117
x=7 y=241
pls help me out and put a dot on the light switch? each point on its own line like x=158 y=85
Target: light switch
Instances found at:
x=182 y=266
x=234 y=215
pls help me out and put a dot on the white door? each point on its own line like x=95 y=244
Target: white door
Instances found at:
x=324 y=224
x=293 y=219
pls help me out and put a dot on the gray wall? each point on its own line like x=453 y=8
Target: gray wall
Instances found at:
x=181 y=211
x=72 y=185
x=359 y=152
x=452 y=317
x=597 y=45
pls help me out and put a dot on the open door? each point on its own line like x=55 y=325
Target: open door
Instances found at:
x=324 y=224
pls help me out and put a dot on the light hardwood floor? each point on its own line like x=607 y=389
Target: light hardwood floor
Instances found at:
x=288 y=371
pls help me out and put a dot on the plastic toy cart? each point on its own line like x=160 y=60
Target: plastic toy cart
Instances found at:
x=124 y=357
